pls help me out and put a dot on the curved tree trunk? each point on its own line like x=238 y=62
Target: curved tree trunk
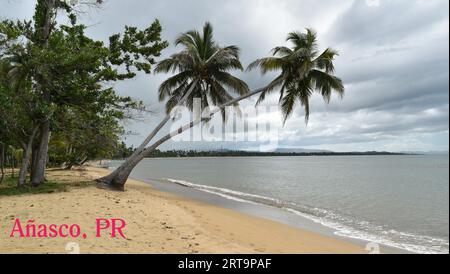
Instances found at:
x=38 y=177
x=138 y=152
x=117 y=179
x=121 y=177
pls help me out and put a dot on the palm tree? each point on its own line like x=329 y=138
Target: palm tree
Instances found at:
x=203 y=65
x=202 y=71
x=303 y=71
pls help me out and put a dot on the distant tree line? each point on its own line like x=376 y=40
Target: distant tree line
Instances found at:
x=239 y=153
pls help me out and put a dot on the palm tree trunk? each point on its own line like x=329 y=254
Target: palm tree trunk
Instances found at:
x=137 y=153
x=38 y=177
x=118 y=180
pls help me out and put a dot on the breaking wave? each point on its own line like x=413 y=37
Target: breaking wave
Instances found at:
x=342 y=225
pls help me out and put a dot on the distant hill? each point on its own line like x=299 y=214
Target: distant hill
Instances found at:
x=426 y=152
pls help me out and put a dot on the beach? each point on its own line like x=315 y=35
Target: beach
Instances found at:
x=156 y=222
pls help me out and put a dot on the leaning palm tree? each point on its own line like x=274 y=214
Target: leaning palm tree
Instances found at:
x=303 y=71
x=202 y=71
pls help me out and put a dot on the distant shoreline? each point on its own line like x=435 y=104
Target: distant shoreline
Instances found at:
x=194 y=154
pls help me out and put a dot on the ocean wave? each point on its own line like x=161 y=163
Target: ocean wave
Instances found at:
x=223 y=190
x=342 y=225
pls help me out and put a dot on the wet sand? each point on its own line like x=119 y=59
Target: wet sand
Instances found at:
x=156 y=222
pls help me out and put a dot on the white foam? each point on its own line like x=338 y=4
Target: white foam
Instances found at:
x=349 y=232
x=222 y=190
x=334 y=221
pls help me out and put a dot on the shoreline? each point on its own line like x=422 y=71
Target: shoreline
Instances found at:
x=157 y=222
x=280 y=215
x=346 y=205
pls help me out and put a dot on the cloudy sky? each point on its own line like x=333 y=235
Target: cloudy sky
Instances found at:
x=393 y=60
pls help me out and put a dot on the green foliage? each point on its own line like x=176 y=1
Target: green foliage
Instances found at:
x=122 y=151
x=136 y=48
x=55 y=73
x=204 y=63
x=16 y=106
x=303 y=72
x=83 y=135
x=237 y=153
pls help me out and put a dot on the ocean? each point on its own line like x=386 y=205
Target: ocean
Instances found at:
x=397 y=201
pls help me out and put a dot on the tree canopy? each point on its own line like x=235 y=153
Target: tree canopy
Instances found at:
x=54 y=73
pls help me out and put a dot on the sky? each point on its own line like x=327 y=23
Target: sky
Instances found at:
x=394 y=62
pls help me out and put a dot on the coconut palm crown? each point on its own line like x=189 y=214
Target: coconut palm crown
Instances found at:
x=206 y=65
x=303 y=72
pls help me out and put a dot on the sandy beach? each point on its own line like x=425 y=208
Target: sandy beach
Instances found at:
x=156 y=222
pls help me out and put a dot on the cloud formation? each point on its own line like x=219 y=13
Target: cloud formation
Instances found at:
x=394 y=62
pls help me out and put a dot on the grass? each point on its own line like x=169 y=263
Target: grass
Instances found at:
x=9 y=187
x=59 y=180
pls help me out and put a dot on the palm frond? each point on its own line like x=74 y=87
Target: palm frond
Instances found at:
x=287 y=104
x=172 y=83
x=325 y=84
x=209 y=45
x=270 y=88
x=304 y=92
x=306 y=40
x=178 y=62
x=220 y=96
x=267 y=64
x=203 y=60
x=325 y=60
x=236 y=84
x=224 y=53
x=283 y=51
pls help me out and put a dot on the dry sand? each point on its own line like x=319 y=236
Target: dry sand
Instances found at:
x=157 y=222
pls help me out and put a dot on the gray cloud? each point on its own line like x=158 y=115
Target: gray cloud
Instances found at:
x=389 y=22
x=393 y=60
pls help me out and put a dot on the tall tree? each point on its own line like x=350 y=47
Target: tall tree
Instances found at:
x=67 y=69
x=303 y=71
x=44 y=25
x=17 y=102
x=202 y=72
